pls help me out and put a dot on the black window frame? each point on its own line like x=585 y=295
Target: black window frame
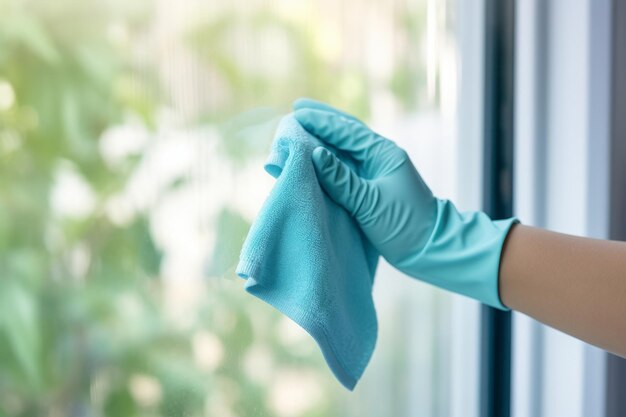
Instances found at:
x=615 y=399
x=496 y=334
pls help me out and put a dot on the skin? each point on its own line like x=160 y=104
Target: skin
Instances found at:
x=574 y=284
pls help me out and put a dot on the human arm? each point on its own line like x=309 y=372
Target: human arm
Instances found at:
x=574 y=284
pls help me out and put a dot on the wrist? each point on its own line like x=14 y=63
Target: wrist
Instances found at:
x=462 y=254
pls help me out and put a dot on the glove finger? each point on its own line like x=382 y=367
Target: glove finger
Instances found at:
x=309 y=103
x=375 y=154
x=341 y=184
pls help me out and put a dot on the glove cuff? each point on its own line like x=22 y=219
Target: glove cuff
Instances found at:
x=463 y=254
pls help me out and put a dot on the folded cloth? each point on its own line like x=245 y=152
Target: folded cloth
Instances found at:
x=307 y=257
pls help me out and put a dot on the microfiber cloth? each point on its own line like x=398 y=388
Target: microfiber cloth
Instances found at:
x=307 y=257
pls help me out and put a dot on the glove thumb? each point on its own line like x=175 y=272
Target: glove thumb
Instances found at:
x=341 y=184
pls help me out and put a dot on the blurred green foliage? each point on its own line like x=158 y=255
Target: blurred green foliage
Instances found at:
x=310 y=74
x=63 y=83
x=84 y=328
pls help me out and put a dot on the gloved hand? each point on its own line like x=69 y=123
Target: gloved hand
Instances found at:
x=421 y=235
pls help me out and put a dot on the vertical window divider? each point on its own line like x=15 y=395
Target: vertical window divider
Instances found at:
x=616 y=366
x=495 y=349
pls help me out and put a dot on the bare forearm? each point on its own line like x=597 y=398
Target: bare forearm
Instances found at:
x=577 y=285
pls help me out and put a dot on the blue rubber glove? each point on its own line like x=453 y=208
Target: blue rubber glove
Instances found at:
x=417 y=233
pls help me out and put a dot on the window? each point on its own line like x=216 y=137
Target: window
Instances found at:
x=132 y=136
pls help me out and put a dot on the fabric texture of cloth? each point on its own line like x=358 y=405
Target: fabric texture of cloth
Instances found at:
x=307 y=257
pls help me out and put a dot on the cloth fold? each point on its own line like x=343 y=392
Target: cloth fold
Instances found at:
x=307 y=257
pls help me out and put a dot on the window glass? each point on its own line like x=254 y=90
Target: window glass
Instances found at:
x=132 y=139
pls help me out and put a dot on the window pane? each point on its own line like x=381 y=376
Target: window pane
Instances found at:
x=132 y=139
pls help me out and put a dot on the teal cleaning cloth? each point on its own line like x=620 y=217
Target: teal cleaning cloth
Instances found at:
x=307 y=257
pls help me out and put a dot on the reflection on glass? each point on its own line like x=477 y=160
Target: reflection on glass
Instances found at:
x=132 y=136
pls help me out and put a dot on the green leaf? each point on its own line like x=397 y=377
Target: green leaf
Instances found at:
x=149 y=255
x=19 y=324
x=120 y=403
x=30 y=33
